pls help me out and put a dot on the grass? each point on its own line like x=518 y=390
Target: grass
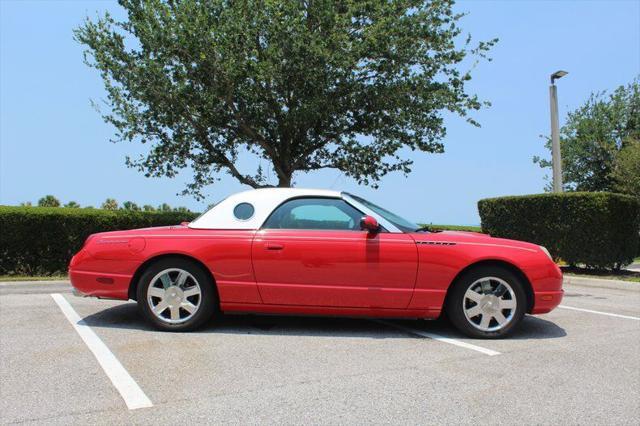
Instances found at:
x=452 y=227
x=10 y=278
x=604 y=274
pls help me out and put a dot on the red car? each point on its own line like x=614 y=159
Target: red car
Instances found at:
x=316 y=252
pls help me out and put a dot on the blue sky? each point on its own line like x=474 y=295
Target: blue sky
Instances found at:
x=53 y=142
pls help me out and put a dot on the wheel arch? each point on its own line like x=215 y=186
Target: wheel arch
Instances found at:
x=528 y=289
x=133 y=285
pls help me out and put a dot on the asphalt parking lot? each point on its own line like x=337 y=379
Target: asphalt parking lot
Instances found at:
x=572 y=366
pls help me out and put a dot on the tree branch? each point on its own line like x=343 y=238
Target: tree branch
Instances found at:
x=233 y=170
x=218 y=156
x=257 y=137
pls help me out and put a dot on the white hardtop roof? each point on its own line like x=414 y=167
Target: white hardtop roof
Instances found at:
x=263 y=200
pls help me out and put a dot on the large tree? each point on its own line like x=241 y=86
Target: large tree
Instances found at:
x=598 y=142
x=627 y=169
x=300 y=84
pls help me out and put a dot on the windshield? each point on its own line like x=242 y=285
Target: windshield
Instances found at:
x=403 y=224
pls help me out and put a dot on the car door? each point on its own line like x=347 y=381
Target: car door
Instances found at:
x=312 y=252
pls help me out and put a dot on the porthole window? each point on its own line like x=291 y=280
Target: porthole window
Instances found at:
x=243 y=211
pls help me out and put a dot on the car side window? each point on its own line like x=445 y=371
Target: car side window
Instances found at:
x=315 y=213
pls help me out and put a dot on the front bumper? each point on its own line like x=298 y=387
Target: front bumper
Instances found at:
x=546 y=301
x=546 y=282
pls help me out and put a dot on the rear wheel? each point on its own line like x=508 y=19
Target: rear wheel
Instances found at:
x=176 y=295
x=487 y=302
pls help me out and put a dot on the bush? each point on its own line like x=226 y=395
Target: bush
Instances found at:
x=41 y=240
x=597 y=229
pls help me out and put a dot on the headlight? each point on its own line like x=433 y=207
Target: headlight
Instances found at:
x=544 y=249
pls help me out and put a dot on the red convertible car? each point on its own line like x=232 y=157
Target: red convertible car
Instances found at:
x=317 y=252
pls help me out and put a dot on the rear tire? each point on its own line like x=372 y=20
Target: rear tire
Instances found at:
x=487 y=302
x=176 y=294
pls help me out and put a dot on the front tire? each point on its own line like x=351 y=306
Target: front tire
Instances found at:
x=176 y=294
x=487 y=302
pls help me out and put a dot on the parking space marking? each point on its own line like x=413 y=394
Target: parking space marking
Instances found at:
x=599 y=312
x=132 y=394
x=440 y=338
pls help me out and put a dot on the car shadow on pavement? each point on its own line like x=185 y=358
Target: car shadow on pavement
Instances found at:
x=531 y=327
x=126 y=316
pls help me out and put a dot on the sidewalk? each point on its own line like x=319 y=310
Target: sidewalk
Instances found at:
x=601 y=283
x=635 y=267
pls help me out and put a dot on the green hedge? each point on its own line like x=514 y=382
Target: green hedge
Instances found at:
x=597 y=229
x=41 y=240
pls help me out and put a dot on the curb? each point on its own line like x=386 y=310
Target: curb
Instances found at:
x=43 y=282
x=34 y=287
x=601 y=283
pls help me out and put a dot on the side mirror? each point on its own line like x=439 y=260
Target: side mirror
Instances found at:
x=369 y=224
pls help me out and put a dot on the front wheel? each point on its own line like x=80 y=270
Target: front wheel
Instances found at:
x=487 y=302
x=176 y=295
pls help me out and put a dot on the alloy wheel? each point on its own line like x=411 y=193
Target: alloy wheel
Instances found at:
x=174 y=296
x=489 y=304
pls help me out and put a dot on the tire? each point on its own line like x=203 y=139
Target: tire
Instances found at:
x=487 y=302
x=176 y=294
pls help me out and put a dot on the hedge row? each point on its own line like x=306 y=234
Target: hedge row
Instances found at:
x=596 y=229
x=42 y=240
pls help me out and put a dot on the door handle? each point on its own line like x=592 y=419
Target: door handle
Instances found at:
x=274 y=246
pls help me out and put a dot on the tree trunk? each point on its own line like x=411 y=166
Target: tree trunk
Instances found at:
x=285 y=181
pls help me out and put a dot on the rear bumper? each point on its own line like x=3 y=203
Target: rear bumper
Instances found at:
x=78 y=293
x=98 y=284
x=88 y=278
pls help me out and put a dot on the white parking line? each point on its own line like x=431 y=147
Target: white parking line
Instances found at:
x=599 y=313
x=440 y=338
x=133 y=396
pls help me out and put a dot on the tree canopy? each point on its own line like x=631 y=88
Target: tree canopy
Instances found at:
x=130 y=205
x=48 y=201
x=599 y=143
x=299 y=85
x=627 y=169
x=109 y=204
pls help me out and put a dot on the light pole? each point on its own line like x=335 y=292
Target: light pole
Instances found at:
x=556 y=157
